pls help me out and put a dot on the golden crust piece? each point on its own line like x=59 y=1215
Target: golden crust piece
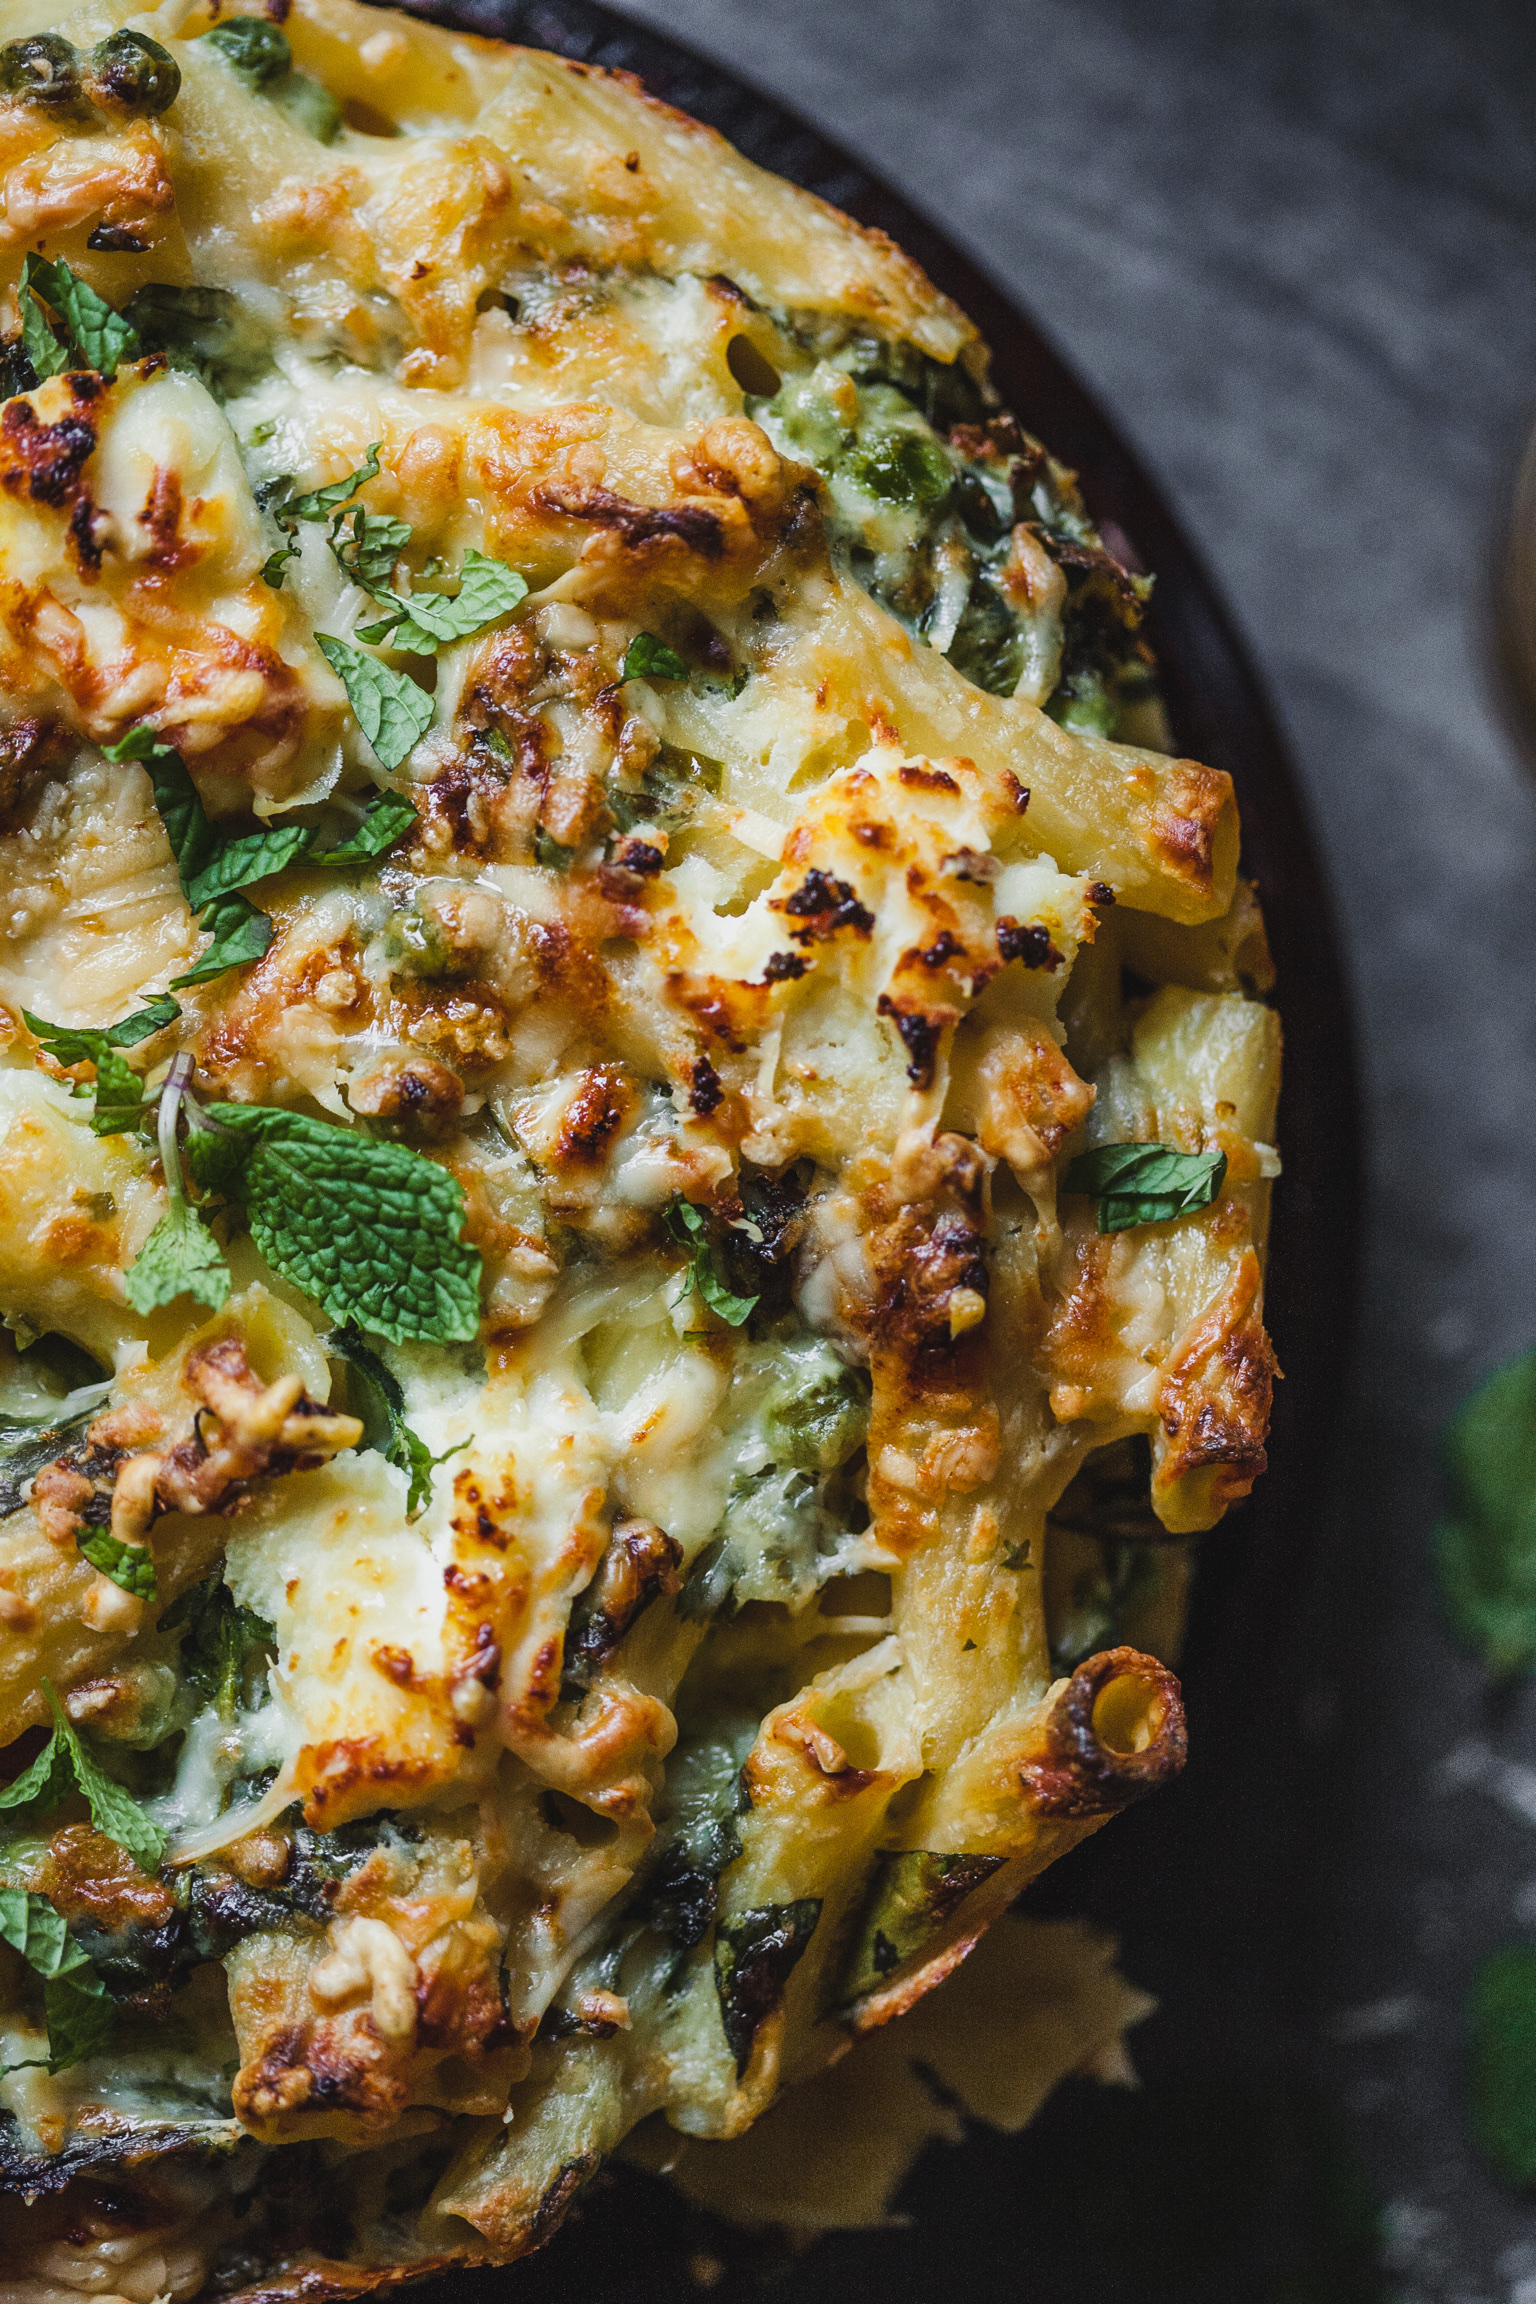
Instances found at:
x=530 y=651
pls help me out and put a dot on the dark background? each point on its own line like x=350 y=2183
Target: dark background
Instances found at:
x=1289 y=244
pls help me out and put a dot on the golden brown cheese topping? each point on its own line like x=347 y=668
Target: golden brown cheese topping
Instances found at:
x=638 y=1111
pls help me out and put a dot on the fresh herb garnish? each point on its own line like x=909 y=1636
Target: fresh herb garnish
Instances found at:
x=180 y=1257
x=1502 y=2076
x=214 y=864
x=648 y=658
x=1146 y=1183
x=77 y=2007
x=424 y=620
x=317 y=505
x=550 y=852
x=219 y=1641
x=65 y=1764
x=378 y=1399
x=118 y=1089
x=95 y=336
x=392 y=711
x=687 y=1226
x=369 y=1229
x=1485 y=1545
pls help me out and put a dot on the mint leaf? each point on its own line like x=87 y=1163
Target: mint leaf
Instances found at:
x=76 y=2004
x=80 y=2014
x=48 y=356
x=119 y=1092
x=180 y=1258
x=240 y=933
x=687 y=1226
x=102 y=339
x=49 y=1780
x=393 y=713
x=370 y=1230
x=551 y=853
x=1485 y=1545
x=113 y=1810
x=1145 y=1183
x=128 y=1565
x=488 y=590
x=377 y=1398
x=387 y=819
x=1502 y=2072
x=239 y=858
x=648 y=658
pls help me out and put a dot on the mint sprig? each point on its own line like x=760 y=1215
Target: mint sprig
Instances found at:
x=180 y=1257
x=214 y=864
x=378 y=1399
x=369 y=1229
x=1146 y=1183
x=77 y=2007
x=118 y=1090
x=688 y=1228
x=95 y=336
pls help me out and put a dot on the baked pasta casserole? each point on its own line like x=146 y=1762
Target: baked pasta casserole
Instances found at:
x=637 y=1117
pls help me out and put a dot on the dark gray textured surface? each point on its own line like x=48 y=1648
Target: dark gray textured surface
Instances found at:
x=1291 y=247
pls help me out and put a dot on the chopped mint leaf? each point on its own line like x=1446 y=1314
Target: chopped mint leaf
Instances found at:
x=1485 y=1546
x=102 y=339
x=388 y=818
x=393 y=713
x=49 y=357
x=128 y=1565
x=318 y=504
x=488 y=590
x=379 y=1401
x=370 y=1230
x=180 y=1258
x=551 y=853
x=113 y=1810
x=687 y=1226
x=241 y=857
x=76 y=2004
x=46 y=1782
x=648 y=658
x=369 y=553
x=1146 y=1183
x=240 y=933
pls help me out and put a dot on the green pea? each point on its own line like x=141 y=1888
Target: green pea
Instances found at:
x=42 y=70
x=251 y=46
x=129 y=72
